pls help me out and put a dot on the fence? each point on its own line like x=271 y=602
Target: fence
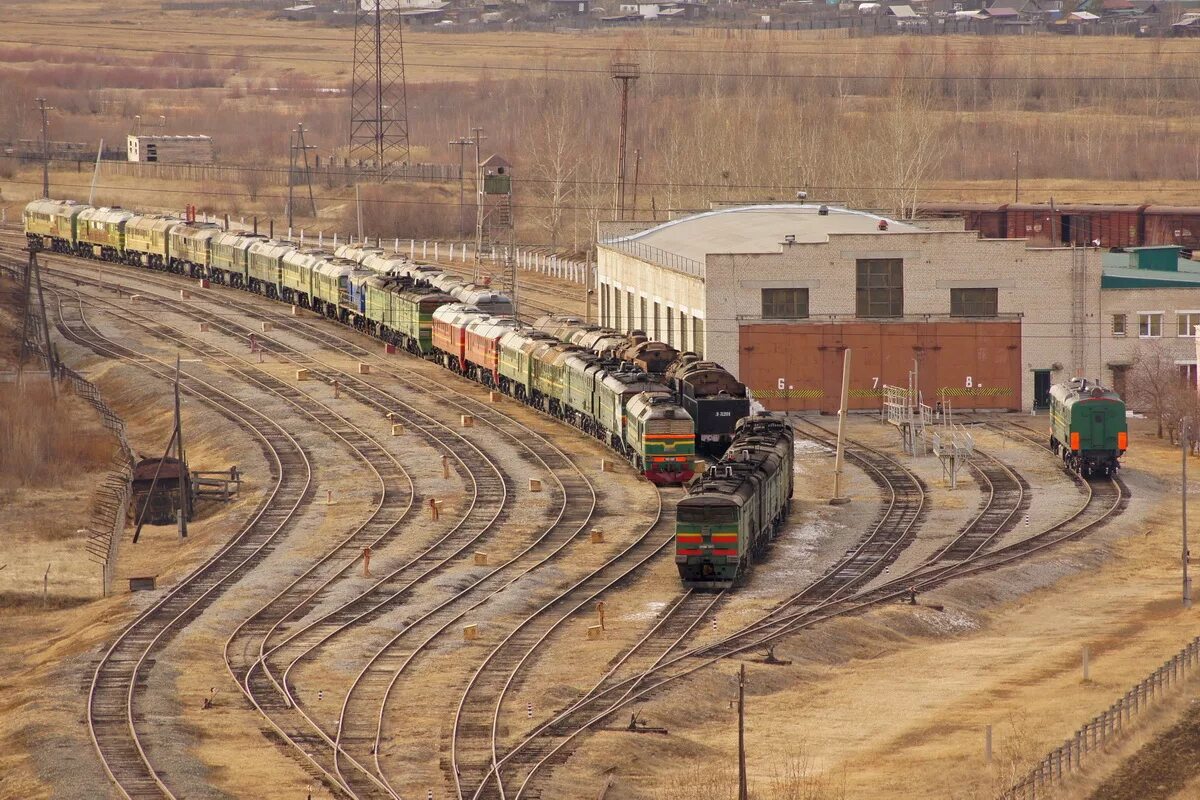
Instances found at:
x=539 y=259
x=327 y=171
x=688 y=266
x=111 y=503
x=1108 y=725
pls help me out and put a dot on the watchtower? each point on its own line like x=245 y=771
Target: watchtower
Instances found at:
x=495 y=230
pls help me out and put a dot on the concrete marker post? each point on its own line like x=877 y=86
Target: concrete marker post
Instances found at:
x=445 y=466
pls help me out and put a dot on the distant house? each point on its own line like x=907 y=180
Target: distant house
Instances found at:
x=568 y=8
x=424 y=14
x=1003 y=13
x=170 y=149
x=900 y=12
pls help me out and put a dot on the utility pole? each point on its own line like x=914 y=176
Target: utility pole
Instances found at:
x=1187 y=582
x=1017 y=176
x=637 y=168
x=34 y=324
x=837 y=498
x=296 y=144
x=185 y=478
x=461 y=143
x=624 y=73
x=378 y=91
x=743 y=794
x=477 y=137
x=95 y=173
x=42 y=107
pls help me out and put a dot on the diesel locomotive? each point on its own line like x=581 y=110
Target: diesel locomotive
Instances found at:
x=737 y=506
x=608 y=384
x=1088 y=427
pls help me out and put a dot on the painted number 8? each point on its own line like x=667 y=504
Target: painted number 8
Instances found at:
x=969 y=383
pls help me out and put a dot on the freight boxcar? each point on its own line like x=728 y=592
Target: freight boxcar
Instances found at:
x=1088 y=428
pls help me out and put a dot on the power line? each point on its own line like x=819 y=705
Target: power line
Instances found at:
x=458 y=45
x=777 y=187
x=692 y=74
x=388 y=201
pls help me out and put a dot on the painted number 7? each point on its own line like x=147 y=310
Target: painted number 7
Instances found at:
x=874 y=383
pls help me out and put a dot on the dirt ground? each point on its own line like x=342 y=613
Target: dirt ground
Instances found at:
x=894 y=703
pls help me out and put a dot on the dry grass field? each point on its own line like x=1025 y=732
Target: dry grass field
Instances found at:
x=881 y=122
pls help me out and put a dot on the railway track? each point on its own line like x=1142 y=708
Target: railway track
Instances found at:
x=343 y=726
x=112 y=709
x=966 y=559
x=550 y=744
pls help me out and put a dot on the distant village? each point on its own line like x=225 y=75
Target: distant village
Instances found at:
x=985 y=17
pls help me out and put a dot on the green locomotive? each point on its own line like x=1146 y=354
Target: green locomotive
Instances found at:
x=1087 y=427
x=737 y=506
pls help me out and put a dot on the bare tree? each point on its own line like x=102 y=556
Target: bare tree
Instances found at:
x=1154 y=381
x=556 y=163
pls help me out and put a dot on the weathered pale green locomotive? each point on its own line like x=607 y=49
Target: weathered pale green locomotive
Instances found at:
x=1088 y=429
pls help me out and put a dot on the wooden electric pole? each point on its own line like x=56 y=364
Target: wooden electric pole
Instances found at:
x=185 y=477
x=35 y=328
x=43 y=108
x=743 y=794
x=1187 y=582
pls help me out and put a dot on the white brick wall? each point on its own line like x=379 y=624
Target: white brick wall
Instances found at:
x=1033 y=282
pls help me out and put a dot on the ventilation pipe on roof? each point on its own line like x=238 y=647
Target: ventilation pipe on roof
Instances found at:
x=823 y=211
x=883 y=224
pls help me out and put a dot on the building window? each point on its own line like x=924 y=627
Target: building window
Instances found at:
x=604 y=304
x=642 y=318
x=974 y=302
x=1187 y=374
x=698 y=336
x=880 y=291
x=1150 y=325
x=1186 y=323
x=683 y=331
x=1118 y=325
x=785 y=303
x=629 y=311
x=670 y=326
x=657 y=324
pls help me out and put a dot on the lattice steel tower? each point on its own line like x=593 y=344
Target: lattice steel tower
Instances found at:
x=378 y=95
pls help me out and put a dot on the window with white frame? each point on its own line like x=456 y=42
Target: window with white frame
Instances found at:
x=1118 y=328
x=1186 y=322
x=1150 y=324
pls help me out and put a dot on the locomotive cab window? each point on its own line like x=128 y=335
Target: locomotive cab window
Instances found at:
x=785 y=303
x=707 y=514
x=974 y=302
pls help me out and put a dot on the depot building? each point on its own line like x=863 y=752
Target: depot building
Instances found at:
x=777 y=292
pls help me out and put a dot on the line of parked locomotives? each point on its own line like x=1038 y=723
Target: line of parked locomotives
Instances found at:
x=653 y=404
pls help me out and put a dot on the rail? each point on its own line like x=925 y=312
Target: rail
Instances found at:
x=1107 y=726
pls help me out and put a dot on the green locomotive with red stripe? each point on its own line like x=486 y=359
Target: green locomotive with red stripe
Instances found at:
x=737 y=506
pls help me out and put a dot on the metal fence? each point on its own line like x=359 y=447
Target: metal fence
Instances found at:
x=1107 y=726
x=110 y=505
x=688 y=266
